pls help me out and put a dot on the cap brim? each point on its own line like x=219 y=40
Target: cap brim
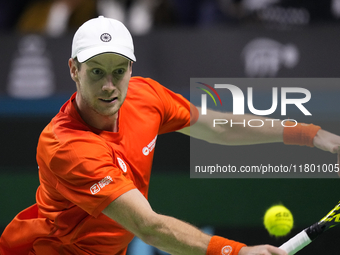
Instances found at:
x=85 y=55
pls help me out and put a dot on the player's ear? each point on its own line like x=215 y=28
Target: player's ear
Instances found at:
x=131 y=62
x=73 y=69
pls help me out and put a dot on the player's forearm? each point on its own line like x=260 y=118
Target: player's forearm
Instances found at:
x=175 y=237
x=250 y=130
x=135 y=214
x=229 y=129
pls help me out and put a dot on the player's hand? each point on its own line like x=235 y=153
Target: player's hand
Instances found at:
x=327 y=141
x=261 y=250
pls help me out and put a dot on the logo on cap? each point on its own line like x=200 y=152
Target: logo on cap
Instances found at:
x=105 y=37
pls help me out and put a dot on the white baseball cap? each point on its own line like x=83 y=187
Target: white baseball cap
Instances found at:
x=102 y=35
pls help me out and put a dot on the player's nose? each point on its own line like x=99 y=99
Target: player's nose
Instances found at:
x=109 y=84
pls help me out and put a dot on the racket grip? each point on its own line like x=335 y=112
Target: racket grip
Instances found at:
x=296 y=243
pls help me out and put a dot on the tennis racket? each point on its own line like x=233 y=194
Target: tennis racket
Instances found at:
x=307 y=235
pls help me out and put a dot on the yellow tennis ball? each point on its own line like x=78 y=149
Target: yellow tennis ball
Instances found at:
x=278 y=220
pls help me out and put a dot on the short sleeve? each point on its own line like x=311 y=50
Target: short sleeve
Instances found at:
x=88 y=174
x=178 y=112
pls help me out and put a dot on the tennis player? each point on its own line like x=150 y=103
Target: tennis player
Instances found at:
x=95 y=159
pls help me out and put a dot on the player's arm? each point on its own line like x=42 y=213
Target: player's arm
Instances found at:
x=236 y=133
x=271 y=131
x=134 y=213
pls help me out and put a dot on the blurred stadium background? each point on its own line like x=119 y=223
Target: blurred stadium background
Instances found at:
x=184 y=39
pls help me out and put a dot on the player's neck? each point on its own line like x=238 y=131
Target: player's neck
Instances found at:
x=98 y=121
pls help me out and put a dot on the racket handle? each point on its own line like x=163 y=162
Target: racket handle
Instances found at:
x=296 y=243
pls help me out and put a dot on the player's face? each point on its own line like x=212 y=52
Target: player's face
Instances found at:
x=102 y=83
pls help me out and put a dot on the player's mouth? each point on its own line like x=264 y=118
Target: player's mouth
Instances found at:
x=108 y=100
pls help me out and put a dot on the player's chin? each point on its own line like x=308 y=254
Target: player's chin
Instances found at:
x=110 y=111
x=107 y=112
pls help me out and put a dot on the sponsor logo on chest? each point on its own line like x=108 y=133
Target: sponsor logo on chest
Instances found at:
x=149 y=148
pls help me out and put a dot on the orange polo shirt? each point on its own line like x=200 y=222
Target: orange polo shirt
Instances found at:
x=83 y=169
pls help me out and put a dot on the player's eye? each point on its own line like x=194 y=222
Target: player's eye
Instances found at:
x=97 y=71
x=120 y=71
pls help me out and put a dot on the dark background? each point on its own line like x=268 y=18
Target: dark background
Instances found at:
x=231 y=207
